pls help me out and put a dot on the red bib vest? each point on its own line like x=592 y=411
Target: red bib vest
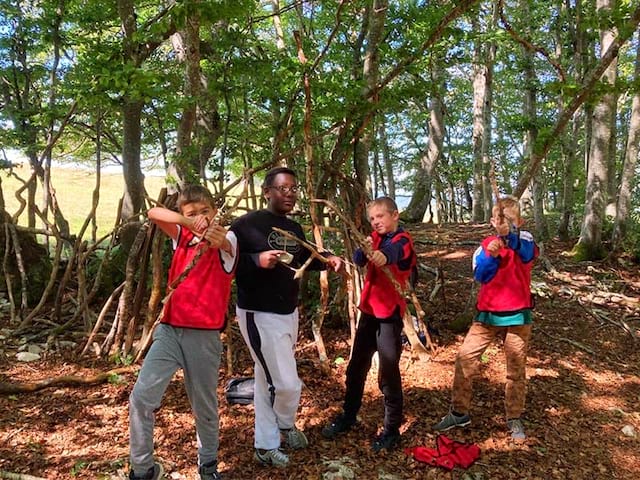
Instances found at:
x=510 y=289
x=201 y=299
x=379 y=297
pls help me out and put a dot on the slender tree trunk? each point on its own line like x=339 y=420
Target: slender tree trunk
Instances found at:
x=133 y=177
x=186 y=43
x=387 y=162
x=531 y=134
x=590 y=242
x=480 y=96
x=277 y=24
x=133 y=199
x=421 y=200
x=490 y=56
x=569 y=143
x=371 y=75
x=630 y=160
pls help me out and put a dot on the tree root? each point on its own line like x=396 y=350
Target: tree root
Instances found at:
x=18 y=476
x=7 y=388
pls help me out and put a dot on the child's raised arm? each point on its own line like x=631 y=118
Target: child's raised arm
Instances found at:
x=168 y=221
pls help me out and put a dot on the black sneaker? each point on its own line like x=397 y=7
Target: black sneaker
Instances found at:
x=209 y=471
x=340 y=424
x=386 y=441
x=154 y=473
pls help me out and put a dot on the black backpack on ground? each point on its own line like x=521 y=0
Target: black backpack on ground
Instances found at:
x=240 y=391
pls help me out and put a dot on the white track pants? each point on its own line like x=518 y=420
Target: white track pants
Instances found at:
x=271 y=339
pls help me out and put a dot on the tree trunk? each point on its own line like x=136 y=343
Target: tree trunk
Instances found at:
x=631 y=155
x=531 y=134
x=569 y=142
x=371 y=75
x=133 y=198
x=186 y=43
x=423 y=186
x=590 y=242
x=480 y=97
x=132 y=173
x=386 y=159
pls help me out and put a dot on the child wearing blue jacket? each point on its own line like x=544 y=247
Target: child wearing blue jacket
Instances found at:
x=502 y=265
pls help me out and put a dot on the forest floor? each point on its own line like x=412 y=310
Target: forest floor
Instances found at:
x=583 y=402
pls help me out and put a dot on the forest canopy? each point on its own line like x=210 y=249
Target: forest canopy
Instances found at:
x=442 y=105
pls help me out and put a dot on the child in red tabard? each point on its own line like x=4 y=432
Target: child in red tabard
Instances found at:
x=502 y=265
x=189 y=335
x=380 y=324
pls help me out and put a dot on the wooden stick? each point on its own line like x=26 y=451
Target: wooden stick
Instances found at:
x=409 y=328
x=314 y=253
x=203 y=247
x=65 y=380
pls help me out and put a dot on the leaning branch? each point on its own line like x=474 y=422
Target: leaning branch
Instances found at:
x=409 y=328
x=8 y=388
x=626 y=31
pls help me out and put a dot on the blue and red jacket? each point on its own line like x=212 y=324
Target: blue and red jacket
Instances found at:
x=505 y=280
x=379 y=297
x=201 y=299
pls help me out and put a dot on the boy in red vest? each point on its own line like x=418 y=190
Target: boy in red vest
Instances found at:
x=380 y=324
x=502 y=265
x=189 y=335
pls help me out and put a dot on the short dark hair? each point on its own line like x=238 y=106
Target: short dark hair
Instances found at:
x=271 y=175
x=387 y=202
x=195 y=193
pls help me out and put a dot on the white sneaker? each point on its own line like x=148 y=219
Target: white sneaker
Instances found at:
x=274 y=457
x=295 y=439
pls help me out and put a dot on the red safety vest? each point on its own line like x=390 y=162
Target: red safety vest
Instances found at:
x=379 y=297
x=201 y=299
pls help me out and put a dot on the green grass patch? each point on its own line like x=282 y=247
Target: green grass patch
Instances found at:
x=74 y=191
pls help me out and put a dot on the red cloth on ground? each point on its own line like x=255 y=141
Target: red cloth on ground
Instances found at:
x=448 y=453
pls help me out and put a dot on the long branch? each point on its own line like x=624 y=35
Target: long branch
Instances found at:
x=65 y=380
x=626 y=31
x=362 y=242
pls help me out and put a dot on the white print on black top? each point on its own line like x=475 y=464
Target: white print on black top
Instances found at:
x=278 y=241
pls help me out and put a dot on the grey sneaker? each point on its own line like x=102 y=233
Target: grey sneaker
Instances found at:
x=451 y=420
x=274 y=457
x=154 y=473
x=295 y=439
x=209 y=471
x=516 y=428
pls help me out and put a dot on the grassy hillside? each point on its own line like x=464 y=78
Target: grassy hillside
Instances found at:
x=74 y=189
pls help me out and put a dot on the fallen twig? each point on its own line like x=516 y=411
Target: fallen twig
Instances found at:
x=19 y=476
x=602 y=317
x=65 y=380
x=579 y=345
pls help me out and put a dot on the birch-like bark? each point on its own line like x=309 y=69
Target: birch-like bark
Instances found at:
x=569 y=141
x=480 y=169
x=590 y=241
x=631 y=157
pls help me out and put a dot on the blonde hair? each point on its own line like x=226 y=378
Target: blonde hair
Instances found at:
x=508 y=201
x=386 y=202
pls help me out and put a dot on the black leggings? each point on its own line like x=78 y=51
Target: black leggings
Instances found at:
x=384 y=337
